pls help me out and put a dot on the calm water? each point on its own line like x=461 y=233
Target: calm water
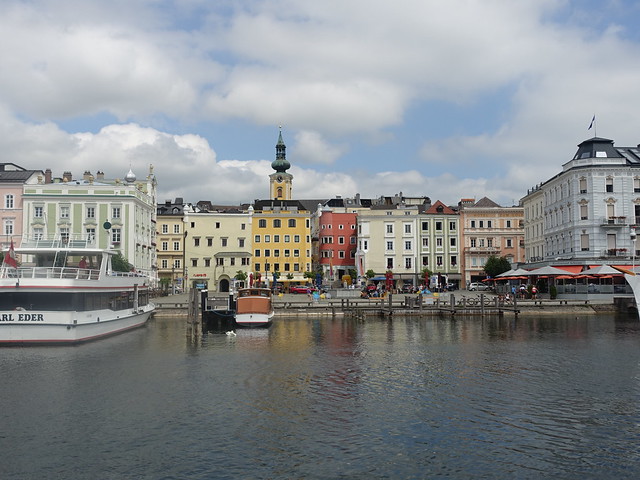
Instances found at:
x=321 y=398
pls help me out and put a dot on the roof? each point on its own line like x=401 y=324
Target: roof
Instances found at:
x=440 y=208
x=486 y=202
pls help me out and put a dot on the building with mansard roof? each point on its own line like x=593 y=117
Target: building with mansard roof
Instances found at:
x=589 y=209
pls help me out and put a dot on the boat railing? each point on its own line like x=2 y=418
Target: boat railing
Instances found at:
x=59 y=241
x=50 y=273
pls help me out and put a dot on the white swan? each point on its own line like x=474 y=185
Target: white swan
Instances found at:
x=231 y=333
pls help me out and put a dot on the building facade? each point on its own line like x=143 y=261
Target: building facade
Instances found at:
x=592 y=206
x=119 y=214
x=440 y=248
x=13 y=178
x=490 y=230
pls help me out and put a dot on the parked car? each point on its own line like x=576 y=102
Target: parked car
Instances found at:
x=300 y=289
x=479 y=286
x=451 y=286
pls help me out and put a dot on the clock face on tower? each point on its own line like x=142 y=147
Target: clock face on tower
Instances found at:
x=279 y=178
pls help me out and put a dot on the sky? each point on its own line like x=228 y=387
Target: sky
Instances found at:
x=450 y=100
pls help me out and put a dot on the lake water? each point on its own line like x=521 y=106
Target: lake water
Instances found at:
x=330 y=399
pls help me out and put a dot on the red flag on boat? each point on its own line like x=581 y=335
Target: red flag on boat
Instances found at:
x=10 y=257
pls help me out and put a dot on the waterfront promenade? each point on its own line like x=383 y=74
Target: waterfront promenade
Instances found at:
x=464 y=303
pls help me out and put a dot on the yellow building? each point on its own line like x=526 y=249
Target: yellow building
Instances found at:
x=170 y=245
x=281 y=240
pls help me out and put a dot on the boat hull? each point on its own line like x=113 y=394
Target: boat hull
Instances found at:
x=634 y=283
x=254 y=320
x=54 y=327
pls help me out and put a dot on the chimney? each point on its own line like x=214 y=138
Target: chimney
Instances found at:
x=47 y=176
x=86 y=176
x=99 y=175
x=67 y=177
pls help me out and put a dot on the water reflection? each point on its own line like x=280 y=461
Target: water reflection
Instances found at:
x=332 y=398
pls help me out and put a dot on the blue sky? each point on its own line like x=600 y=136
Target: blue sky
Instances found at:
x=456 y=99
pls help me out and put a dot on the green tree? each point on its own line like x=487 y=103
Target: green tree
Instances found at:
x=120 y=264
x=241 y=276
x=496 y=265
x=370 y=274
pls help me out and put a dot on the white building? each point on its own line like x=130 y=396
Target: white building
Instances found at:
x=590 y=207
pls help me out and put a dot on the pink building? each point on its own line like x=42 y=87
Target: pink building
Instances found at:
x=13 y=178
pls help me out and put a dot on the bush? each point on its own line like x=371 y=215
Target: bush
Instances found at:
x=553 y=292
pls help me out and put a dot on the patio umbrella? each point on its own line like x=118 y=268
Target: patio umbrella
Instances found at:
x=548 y=271
x=602 y=270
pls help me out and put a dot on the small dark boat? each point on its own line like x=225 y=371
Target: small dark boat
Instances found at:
x=217 y=315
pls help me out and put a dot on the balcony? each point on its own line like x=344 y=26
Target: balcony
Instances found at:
x=614 y=221
x=615 y=252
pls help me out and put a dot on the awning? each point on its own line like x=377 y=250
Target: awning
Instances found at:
x=570 y=268
x=233 y=254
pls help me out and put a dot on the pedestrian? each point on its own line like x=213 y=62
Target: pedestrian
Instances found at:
x=534 y=292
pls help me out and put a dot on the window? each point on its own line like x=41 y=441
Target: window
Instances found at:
x=267 y=238
x=176 y=228
x=256 y=239
x=194 y=262
x=256 y=266
x=8 y=226
x=389 y=263
x=115 y=213
x=472 y=242
x=165 y=228
x=408 y=263
x=509 y=243
x=407 y=228
x=90 y=234
x=489 y=242
x=341 y=254
x=584 y=242
x=217 y=224
x=407 y=245
x=116 y=235
x=64 y=234
x=489 y=224
x=262 y=223
x=207 y=262
x=8 y=200
x=292 y=223
x=390 y=245
x=287 y=252
x=91 y=212
x=224 y=241
x=276 y=252
x=276 y=239
x=196 y=241
x=473 y=224
x=481 y=223
x=452 y=242
x=209 y=241
x=425 y=242
x=64 y=212
x=164 y=263
x=439 y=242
x=636 y=185
x=287 y=238
x=609 y=184
x=425 y=261
x=584 y=213
x=165 y=246
x=583 y=185
x=439 y=260
x=452 y=226
x=277 y=223
x=232 y=261
x=425 y=226
x=389 y=228
x=177 y=263
x=267 y=252
x=176 y=246
x=454 y=260
x=256 y=253
x=296 y=253
x=241 y=242
x=508 y=223
x=296 y=238
x=220 y=262
x=38 y=212
x=244 y=261
x=439 y=226
x=340 y=240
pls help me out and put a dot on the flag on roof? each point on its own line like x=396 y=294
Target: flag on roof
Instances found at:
x=593 y=120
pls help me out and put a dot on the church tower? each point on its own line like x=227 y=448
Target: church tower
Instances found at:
x=281 y=182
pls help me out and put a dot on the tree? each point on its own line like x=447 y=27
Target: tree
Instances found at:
x=496 y=265
x=120 y=264
x=241 y=276
x=370 y=274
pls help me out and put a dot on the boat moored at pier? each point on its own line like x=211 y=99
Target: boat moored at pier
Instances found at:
x=254 y=307
x=66 y=291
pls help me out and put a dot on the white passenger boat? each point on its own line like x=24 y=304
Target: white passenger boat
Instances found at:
x=254 y=307
x=66 y=291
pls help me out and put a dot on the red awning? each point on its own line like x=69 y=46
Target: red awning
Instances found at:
x=570 y=268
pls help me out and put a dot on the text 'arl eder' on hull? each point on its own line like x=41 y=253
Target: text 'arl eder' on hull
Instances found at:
x=254 y=307
x=66 y=291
